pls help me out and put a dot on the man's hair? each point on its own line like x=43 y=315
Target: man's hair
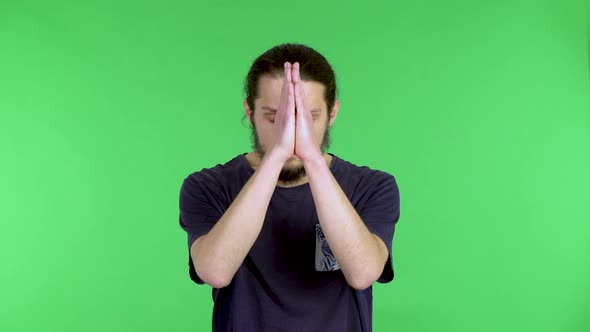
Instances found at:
x=312 y=65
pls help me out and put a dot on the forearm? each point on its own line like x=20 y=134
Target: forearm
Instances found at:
x=219 y=254
x=358 y=251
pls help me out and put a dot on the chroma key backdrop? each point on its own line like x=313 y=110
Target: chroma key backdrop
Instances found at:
x=480 y=109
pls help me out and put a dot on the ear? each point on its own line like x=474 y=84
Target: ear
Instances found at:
x=334 y=112
x=247 y=111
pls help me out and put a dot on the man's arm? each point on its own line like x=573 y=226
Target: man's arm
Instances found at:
x=218 y=254
x=360 y=253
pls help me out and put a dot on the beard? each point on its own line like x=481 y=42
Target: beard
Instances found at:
x=288 y=174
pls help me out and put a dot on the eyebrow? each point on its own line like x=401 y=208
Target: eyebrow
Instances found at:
x=274 y=110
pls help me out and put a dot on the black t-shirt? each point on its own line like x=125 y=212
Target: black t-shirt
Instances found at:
x=290 y=281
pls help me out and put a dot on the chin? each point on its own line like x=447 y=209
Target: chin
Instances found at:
x=294 y=160
x=293 y=163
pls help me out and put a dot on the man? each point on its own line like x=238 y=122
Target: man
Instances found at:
x=290 y=237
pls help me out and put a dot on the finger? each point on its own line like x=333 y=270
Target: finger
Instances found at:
x=297 y=77
x=301 y=90
x=291 y=101
x=299 y=87
x=300 y=102
x=295 y=72
x=284 y=101
x=286 y=78
x=288 y=71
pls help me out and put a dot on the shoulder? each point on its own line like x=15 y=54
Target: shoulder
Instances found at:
x=215 y=176
x=361 y=173
x=362 y=183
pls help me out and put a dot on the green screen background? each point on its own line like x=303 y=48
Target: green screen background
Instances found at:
x=480 y=110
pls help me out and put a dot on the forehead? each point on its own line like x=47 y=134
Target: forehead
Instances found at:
x=270 y=88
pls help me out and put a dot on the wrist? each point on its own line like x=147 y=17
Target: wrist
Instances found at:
x=273 y=159
x=314 y=161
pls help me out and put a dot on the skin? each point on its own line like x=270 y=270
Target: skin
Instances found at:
x=315 y=124
x=293 y=141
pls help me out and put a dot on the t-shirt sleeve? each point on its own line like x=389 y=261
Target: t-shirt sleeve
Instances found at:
x=200 y=209
x=380 y=213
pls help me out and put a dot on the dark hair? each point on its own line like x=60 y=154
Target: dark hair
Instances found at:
x=312 y=65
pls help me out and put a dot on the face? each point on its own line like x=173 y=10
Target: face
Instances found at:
x=269 y=95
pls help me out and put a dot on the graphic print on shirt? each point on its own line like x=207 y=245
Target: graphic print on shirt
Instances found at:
x=324 y=258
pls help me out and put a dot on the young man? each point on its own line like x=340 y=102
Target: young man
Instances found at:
x=290 y=237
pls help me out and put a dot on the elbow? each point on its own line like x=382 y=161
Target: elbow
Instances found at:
x=215 y=276
x=362 y=283
x=217 y=283
x=214 y=279
x=212 y=274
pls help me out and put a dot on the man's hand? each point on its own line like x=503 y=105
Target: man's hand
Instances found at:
x=284 y=125
x=305 y=146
